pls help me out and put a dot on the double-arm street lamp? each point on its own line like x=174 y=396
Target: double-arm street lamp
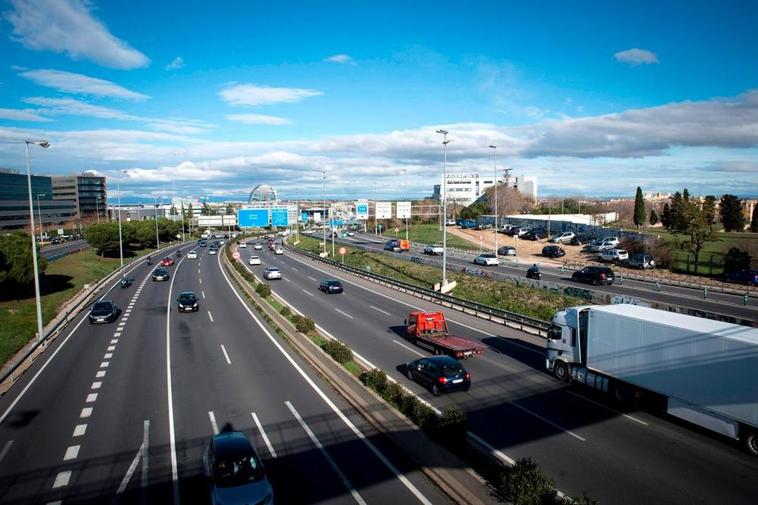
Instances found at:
x=445 y=142
x=44 y=144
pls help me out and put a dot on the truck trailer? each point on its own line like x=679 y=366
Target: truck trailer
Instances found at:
x=429 y=330
x=703 y=371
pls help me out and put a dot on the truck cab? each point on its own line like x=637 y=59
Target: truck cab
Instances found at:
x=567 y=341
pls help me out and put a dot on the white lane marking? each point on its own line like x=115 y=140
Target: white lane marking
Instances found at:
x=91 y=398
x=117 y=334
x=263 y=434
x=312 y=278
x=100 y=374
x=636 y=420
x=199 y=280
x=86 y=412
x=111 y=348
x=295 y=269
x=408 y=484
x=79 y=430
x=56 y=502
x=141 y=454
x=286 y=280
x=354 y=492
x=104 y=364
x=61 y=480
x=212 y=418
x=548 y=421
x=414 y=351
x=380 y=310
x=8 y=445
x=210 y=316
x=72 y=452
x=96 y=385
x=307 y=292
x=223 y=349
x=202 y=293
x=114 y=341
x=497 y=452
x=145 y=446
x=344 y=313
x=108 y=355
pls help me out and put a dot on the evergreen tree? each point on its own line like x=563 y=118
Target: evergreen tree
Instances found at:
x=754 y=221
x=686 y=195
x=677 y=218
x=731 y=213
x=709 y=209
x=639 y=208
x=666 y=216
x=653 y=217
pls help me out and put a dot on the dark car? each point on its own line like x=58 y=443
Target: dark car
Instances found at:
x=234 y=471
x=536 y=234
x=553 y=251
x=392 y=245
x=104 y=311
x=188 y=302
x=202 y=243
x=160 y=274
x=506 y=250
x=439 y=373
x=743 y=277
x=594 y=275
x=331 y=286
x=580 y=239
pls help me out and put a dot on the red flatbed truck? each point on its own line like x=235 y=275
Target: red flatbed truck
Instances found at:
x=429 y=330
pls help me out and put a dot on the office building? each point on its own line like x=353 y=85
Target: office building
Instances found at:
x=465 y=189
x=14 y=203
x=527 y=186
x=87 y=191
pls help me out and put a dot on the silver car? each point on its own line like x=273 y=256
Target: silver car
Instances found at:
x=234 y=471
x=272 y=273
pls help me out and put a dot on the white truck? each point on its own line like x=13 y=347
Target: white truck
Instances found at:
x=703 y=371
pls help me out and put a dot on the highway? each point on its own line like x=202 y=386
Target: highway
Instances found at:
x=53 y=252
x=584 y=442
x=121 y=412
x=716 y=302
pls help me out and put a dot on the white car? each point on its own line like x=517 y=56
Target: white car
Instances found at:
x=192 y=255
x=272 y=273
x=278 y=250
x=212 y=251
x=254 y=260
x=433 y=249
x=604 y=244
x=613 y=255
x=243 y=245
x=258 y=247
x=562 y=238
x=487 y=259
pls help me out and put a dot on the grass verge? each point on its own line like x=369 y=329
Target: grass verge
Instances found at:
x=430 y=234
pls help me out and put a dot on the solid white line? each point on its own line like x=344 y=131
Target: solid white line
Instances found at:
x=141 y=454
x=92 y=397
x=210 y=316
x=79 y=430
x=344 y=313
x=96 y=385
x=72 y=452
x=86 y=412
x=61 y=480
x=202 y=293
x=307 y=292
x=9 y=443
x=263 y=434
x=380 y=310
x=493 y=450
x=212 y=418
x=608 y=408
x=354 y=492
x=100 y=374
x=145 y=446
x=414 y=351
x=228 y=361
x=169 y=390
x=548 y=421
x=408 y=484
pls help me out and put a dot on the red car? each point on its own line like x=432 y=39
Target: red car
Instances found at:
x=167 y=262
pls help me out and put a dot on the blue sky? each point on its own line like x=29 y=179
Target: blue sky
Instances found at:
x=198 y=100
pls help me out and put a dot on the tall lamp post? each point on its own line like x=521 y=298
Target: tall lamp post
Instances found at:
x=39 y=214
x=157 y=237
x=445 y=142
x=44 y=144
x=323 y=218
x=405 y=173
x=120 y=237
x=494 y=164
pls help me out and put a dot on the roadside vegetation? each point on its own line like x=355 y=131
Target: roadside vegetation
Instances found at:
x=429 y=234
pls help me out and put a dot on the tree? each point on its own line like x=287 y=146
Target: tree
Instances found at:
x=16 y=262
x=173 y=211
x=103 y=237
x=653 y=218
x=730 y=209
x=206 y=211
x=639 y=208
x=754 y=221
x=189 y=213
x=229 y=209
x=676 y=213
x=736 y=260
x=709 y=209
x=666 y=216
x=699 y=229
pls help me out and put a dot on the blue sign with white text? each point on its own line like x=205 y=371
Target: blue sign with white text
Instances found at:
x=304 y=217
x=280 y=217
x=253 y=218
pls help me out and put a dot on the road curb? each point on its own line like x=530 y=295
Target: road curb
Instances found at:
x=443 y=468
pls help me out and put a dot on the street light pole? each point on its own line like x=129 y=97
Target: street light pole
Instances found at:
x=405 y=173
x=39 y=214
x=445 y=142
x=157 y=237
x=120 y=238
x=44 y=144
x=323 y=218
x=494 y=163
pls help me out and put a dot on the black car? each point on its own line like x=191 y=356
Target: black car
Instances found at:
x=104 y=311
x=188 y=302
x=580 y=239
x=749 y=277
x=537 y=234
x=160 y=274
x=439 y=373
x=331 y=286
x=594 y=275
x=392 y=245
x=202 y=243
x=234 y=471
x=553 y=251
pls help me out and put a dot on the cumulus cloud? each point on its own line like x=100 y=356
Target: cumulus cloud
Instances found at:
x=69 y=82
x=635 y=56
x=258 y=119
x=252 y=94
x=340 y=58
x=67 y=26
x=176 y=63
x=21 y=115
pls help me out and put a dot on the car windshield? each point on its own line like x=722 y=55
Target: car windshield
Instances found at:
x=160 y=271
x=236 y=470
x=273 y=269
x=103 y=307
x=187 y=298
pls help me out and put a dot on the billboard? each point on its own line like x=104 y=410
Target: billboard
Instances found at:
x=361 y=211
x=383 y=210
x=253 y=218
x=280 y=216
x=403 y=210
x=304 y=217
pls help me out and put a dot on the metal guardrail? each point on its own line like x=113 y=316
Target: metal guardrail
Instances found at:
x=512 y=319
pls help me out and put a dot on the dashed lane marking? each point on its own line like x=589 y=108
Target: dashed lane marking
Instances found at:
x=72 y=452
x=79 y=430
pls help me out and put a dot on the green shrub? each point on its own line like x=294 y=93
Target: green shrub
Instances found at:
x=285 y=311
x=408 y=406
x=338 y=351
x=263 y=290
x=424 y=417
x=452 y=424
x=525 y=484
x=376 y=380
x=394 y=393
x=305 y=325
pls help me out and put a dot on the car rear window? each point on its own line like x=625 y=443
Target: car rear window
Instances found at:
x=449 y=370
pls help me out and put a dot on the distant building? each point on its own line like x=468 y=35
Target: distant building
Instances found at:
x=139 y=212
x=527 y=186
x=748 y=207
x=87 y=191
x=14 y=203
x=465 y=189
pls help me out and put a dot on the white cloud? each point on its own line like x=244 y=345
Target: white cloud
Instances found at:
x=21 y=115
x=258 y=119
x=340 y=58
x=176 y=64
x=636 y=57
x=251 y=94
x=69 y=82
x=74 y=107
x=67 y=26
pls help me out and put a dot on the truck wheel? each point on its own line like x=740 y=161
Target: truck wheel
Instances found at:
x=435 y=390
x=561 y=371
x=750 y=439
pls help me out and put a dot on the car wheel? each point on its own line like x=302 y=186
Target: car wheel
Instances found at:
x=574 y=277
x=595 y=282
x=435 y=390
x=409 y=373
x=560 y=369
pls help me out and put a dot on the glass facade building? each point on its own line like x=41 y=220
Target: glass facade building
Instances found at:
x=14 y=203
